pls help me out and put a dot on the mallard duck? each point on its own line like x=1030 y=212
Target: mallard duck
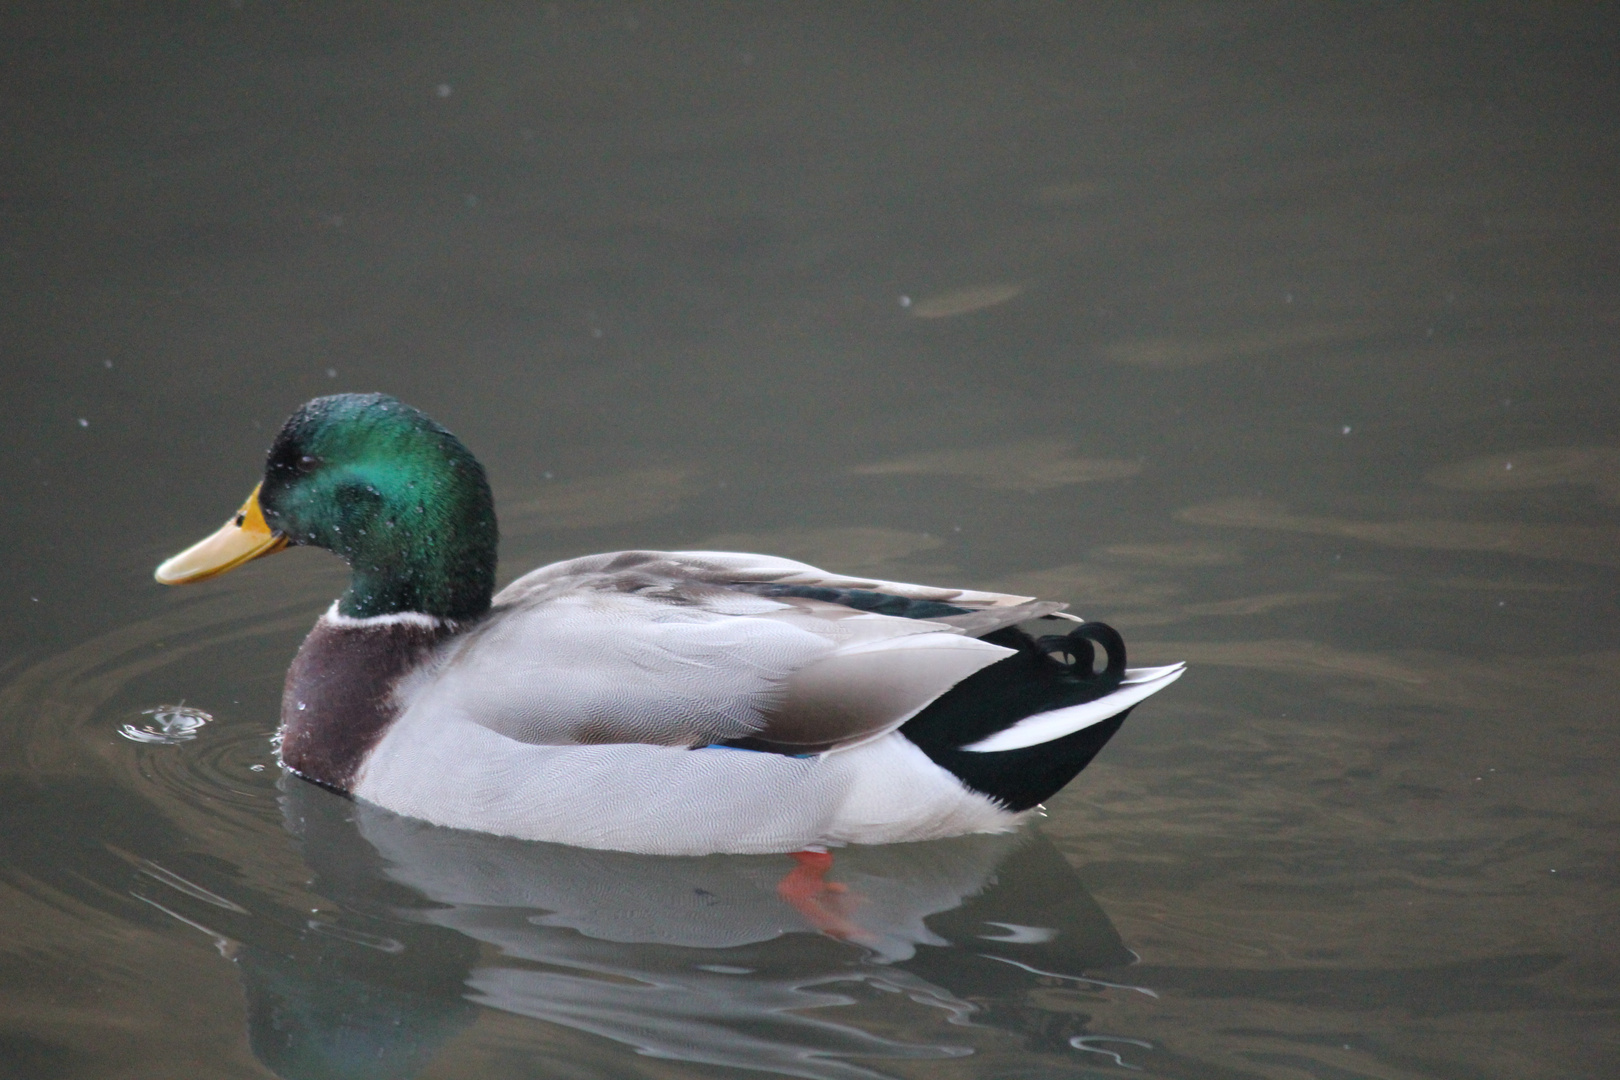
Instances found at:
x=666 y=702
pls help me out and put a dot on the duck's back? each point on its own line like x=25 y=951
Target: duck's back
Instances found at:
x=675 y=650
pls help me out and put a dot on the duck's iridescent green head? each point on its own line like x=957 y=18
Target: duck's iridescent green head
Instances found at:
x=392 y=492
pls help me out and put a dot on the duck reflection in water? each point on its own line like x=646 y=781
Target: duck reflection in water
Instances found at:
x=718 y=960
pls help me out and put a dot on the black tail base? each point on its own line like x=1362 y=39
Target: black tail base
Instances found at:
x=1046 y=673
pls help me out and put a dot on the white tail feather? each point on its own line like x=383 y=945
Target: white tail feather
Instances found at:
x=1147 y=674
x=1139 y=683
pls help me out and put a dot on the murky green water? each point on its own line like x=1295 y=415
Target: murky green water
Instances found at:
x=1281 y=337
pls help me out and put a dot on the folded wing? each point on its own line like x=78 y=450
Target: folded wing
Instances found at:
x=704 y=648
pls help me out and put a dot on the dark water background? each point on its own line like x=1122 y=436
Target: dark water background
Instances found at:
x=1281 y=336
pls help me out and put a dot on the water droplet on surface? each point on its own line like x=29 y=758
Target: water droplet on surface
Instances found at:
x=83 y=422
x=444 y=89
x=170 y=725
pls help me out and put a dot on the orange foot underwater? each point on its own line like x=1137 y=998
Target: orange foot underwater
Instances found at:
x=826 y=905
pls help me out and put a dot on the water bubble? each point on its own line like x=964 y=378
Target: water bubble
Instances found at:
x=444 y=89
x=170 y=725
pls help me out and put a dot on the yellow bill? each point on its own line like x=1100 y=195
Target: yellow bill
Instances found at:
x=245 y=537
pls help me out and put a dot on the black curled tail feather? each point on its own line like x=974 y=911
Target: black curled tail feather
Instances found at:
x=1046 y=673
x=1078 y=644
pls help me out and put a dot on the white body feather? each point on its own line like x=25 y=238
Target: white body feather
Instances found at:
x=669 y=800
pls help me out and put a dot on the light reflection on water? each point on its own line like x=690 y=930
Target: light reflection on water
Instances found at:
x=700 y=960
x=1280 y=337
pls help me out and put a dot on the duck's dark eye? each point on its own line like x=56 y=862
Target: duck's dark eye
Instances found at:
x=304 y=465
